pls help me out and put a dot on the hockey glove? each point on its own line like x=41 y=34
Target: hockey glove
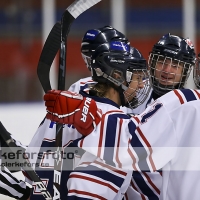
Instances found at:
x=71 y=108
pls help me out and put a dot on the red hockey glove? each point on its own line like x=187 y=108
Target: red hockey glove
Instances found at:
x=71 y=108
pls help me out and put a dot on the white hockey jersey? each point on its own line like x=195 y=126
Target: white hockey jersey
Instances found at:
x=144 y=185
x=91 y=177
x=102 y=180
x=165 y=136
x=82 y=84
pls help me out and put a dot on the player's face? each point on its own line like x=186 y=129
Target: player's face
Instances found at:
x=135 y=85
x=168 y=71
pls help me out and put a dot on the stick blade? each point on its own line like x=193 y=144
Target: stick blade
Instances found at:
x=80 y=6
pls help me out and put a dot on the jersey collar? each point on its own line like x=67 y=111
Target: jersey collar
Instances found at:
x=99 y=99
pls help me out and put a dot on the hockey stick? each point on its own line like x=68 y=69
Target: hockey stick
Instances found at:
x=53 y=41
x=22 y=159
x=48 y=54
x=49 y=51
x=70 y=14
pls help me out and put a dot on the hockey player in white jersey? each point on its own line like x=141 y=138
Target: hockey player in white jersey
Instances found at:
x=170 y=63
x=141 y=143
x=141 y=184
x=121 y=77
x=171 y=60
x=91 y=40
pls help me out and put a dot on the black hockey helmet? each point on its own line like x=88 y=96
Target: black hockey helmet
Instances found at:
x=118 y=57
x=196 y=72
x=94 y=37
x=181 y=53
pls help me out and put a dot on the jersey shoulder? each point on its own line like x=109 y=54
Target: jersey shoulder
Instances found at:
x=82 y=84
x=176 y=98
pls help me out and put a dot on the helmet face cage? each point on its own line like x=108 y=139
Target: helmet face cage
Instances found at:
x=167 y=73
x=170 y=63
x=196 y=72
x=137 y=95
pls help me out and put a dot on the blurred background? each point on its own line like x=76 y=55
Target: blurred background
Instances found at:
x=24 y=26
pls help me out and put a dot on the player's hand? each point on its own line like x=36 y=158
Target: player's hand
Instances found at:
x=71 y=108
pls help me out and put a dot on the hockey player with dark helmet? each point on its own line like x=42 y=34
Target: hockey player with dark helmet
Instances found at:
x=123 y=68
x=94 y=37
x=121 y=78
x=170 y=63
